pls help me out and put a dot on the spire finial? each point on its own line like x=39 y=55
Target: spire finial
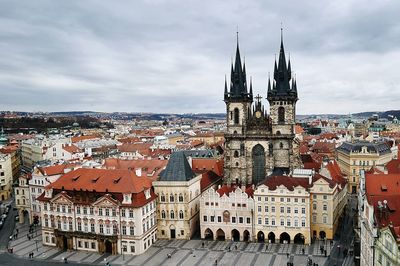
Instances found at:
x=281 y=32
x=237 y=34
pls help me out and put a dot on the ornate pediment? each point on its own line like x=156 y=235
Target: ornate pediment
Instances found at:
x=61 y=198
x=106 y=201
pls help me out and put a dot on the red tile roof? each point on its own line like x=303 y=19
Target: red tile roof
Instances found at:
x=102 y=180
x=393 y=167
x=84 y=137
x=272 y=182
x=380 y=188
x=200 y=165
x=55 y=169
x=151 y=168
x=226 y=189
x=71 y=148
x=336 y=173
x=374 y=170
x=208 y=179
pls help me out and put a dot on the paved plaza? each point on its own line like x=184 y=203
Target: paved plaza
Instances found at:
x=183 y=252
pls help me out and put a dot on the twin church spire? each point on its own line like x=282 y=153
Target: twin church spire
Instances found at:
x=283 y=85
x=238 y=90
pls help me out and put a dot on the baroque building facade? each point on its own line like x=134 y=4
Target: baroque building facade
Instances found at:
x=257 y=143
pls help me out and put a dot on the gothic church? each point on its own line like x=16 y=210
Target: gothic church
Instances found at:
x=258 y=144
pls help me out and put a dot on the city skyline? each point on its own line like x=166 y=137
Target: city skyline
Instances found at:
x=172 y=57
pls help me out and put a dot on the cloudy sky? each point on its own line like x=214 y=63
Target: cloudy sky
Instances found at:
x=172 y=56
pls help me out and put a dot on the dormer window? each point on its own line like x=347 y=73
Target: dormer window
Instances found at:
x=127 y=199
x=147 y=193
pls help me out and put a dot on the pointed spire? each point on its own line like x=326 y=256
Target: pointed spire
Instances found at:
x=289 y=69
x=226 y=86
x=269 y=83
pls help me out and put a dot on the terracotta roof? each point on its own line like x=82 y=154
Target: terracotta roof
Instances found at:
x=196 y=143
x=84 y=137
x=208 y=179
x=324 y=147
x=140 y=147
x=200 y=165
x=272 y=182
x=71 y=148
x=331 y=182
x=55 y=169
x=374 y=170
x=328 y=135
x=381 y=188
x=151 y=167
x=393 y=167
x=102 y=180
x=336 y=173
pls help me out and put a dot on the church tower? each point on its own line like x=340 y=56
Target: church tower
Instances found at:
x=238 y=101
x=282 y=98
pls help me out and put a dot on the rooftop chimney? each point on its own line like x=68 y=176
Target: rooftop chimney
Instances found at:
x=138 y=171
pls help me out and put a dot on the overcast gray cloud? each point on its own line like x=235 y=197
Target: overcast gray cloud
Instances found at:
x=172 y=56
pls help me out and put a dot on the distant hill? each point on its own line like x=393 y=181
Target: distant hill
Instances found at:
x=387 y=114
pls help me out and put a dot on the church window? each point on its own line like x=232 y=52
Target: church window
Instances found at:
x=281 y=114
x=236 y=116
x=258 y=163
x=236 y=154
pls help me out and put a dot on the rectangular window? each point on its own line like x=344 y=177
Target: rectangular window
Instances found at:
x=79 y=226
x=78 y=210
x=282 y=199
x=282 y=209
x=288 y=210
x=79 y=244
x=86 y=244
x=107 y=212
x=303 y=200
x=266 y=221
x=273 y=209
x=101 y=227
x=130 y=213
x=282 y=222
x=132 y=249
x=114 y=212
x=273 y=221
x=240 y=220
x=124 y=229
x=259 y=208
x=100 y=211
x=296 y=210
x=93 y=245
x=205 y=218
x=248 y=220
x=131 y=230
x=219 y=219
x=303 y=223
x=233 y=219
x=272 y=199
x=84 y=210
x=259 y=220
x=212 y=218
x=288 y=222
x=266 y=208
x=92 y=228
x=325 y=197
x=123 y=212
x=325 y=207
x=303 y=210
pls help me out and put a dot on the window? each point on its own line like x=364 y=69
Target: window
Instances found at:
x=69 y=209
x=124 y=229
x=325 y=197
x=100 y=211
x=324 y=219
x=281 y=114
x=86 y=244
x=273 y=221
x=79 y=243
x=282 y=222
x=325 y=207
x=130 y=213
x=114 y=212
x=266 y=208
x=132 y=249
x=205 y=218
x=84 y=210
x=272 y=208
x=93 y=245
x=233 y=219
x=212 y=218
x=70 y=225
x=303 y=210
x=314 y=219
x=107 y=212
x=101 y=227
x=219 y=219
x=180 y=198
x=131 y=230
x=79 y=226
x=63 y=208
x=163 y=214
x=282 y=199
x=259 y=220
x=314 y=196
x=240 y=220
x=92 y=228
x=288 y=200
x=288 y=222
x=171 y=198
x=314 y=206
x=272 y=199
x=172 y=215
x=288 y=209
x=236 y=116
x=296 y=223
x=282 y=209
x=115 y=230
x=303 y=200
x=123 y=212
x=303 y=223
x=162 y=198
x=266 y=221
x=78 y=209
x=259 y=208
x=248 y=220
x=181 y=214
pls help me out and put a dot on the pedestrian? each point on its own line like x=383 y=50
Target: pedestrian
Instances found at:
x=17 y=230
x=202 y=244
x=29 y=237
x=216 y=262
x=235 y=247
